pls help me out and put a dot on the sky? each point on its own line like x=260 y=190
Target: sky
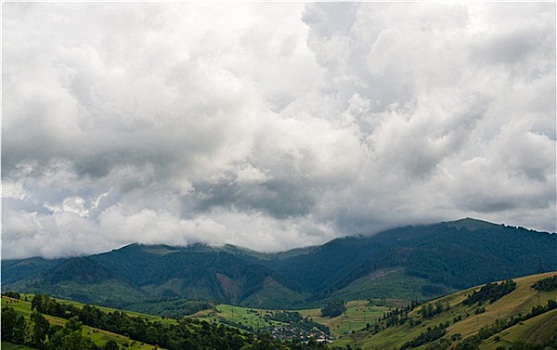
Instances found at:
x=271 y=125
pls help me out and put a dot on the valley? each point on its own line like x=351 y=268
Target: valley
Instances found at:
x=524 y=315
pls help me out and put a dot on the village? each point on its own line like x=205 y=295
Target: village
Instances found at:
x=290 y=332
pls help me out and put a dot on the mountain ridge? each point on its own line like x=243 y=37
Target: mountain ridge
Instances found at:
x=437 y=259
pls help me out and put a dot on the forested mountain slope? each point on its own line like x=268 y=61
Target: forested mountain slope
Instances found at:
x=433 y=259
x=456 y=254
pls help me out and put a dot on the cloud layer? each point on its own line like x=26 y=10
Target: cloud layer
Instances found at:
x=271 y=126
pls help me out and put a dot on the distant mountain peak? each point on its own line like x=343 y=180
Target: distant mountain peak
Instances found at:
x=471 y=224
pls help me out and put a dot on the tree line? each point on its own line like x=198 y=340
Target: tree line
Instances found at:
x=431 y=334
x=40 y=334
x=490 y=292
x=546 y=284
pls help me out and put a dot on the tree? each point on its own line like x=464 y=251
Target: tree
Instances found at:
x=71 y=338
x=40 y=303
x=14 y=327
x=40 y=328
x=237 y=341
x=546 y=284
x=467 y=345
x=13 y=295
x=111 y=345
x=333 y=308
x=438 y=307
x=152 y=335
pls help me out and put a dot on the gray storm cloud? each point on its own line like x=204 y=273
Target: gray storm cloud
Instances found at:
x=271 y=126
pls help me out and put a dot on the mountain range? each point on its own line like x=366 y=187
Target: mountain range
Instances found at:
x=411 y=263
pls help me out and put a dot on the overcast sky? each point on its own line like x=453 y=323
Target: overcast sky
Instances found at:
x=271 y=125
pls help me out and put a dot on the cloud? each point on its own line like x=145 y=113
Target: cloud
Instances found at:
x=271 y=126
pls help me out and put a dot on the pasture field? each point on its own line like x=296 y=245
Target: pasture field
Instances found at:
x=357 y=315
x=246 y=317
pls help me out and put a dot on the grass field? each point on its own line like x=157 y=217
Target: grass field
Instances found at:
x=10 y=346
x=358 y=314
x=244 y=316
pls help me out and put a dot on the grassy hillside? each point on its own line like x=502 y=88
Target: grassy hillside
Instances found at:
x=99 y=337
x=237 y=316
x=464 y=321
x=535 y=330
x=358 y=313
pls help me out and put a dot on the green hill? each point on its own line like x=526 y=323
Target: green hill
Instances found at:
x=98 y=336
x=137 y=273
x=469 y=323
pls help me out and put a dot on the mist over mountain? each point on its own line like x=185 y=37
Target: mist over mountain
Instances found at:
x=412 y=262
